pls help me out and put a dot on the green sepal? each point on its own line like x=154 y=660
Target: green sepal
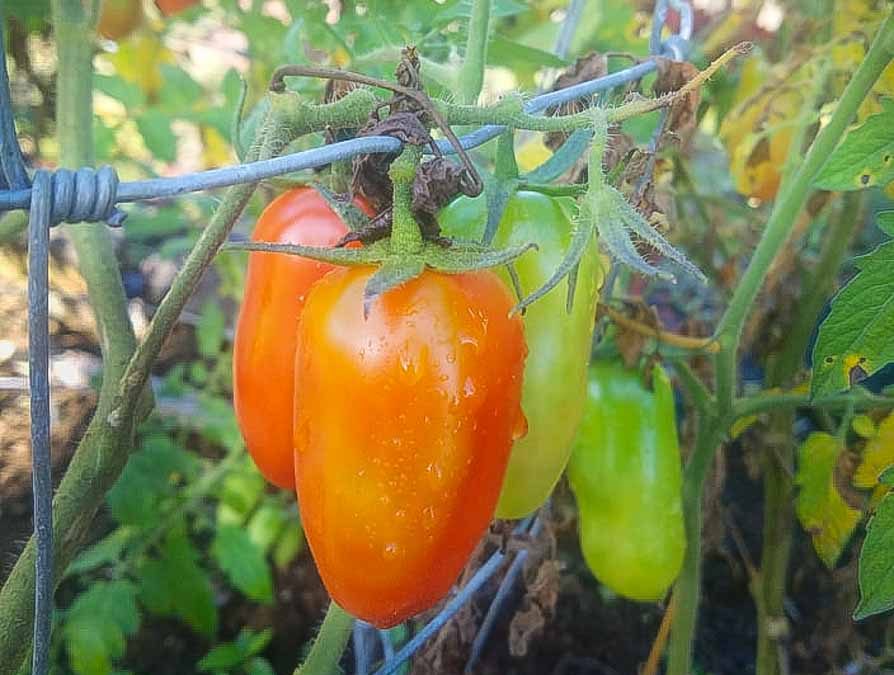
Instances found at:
x=393 y=272
x=562 y=159
x=352 y=216
x=375 y=253
x=467 y=256
x=583 y=232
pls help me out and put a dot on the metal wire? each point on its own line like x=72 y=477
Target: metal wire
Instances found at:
x=91 y=195
x=480 y=578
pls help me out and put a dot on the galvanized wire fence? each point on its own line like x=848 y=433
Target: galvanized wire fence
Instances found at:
x=92 y=195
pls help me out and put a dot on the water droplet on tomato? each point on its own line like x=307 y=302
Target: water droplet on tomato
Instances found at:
x=391 y=550
x=521 y=426
x=469 y=388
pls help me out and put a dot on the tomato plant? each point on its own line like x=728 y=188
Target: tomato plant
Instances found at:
x=625 y=474
x=558 y=340
x=404 y=420
x=119 y=18
x=264 y=346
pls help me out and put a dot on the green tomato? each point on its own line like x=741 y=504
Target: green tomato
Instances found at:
x=559 y=342
x=625 y=474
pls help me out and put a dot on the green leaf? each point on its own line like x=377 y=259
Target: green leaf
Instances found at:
x=243 y=562
x=239 y=494
x=854 y=340
x=887 y=476
x=562 y=159
x=266 y=524
x=179 y=93
x=210 y=329
x=865 y=157
x=885 y=222
x=155 y=128
x=289 y=545
x=128 y=93
x=876 y=576
x=97 y=624
x=151 y=474
x=103 y=552
x=222 y=657
x=259 y=666
x=823 y=513
x=174 y=585
x=515 y=55
x=146 y=222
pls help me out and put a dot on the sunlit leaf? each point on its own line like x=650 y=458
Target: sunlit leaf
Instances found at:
x=877 y=563
x=878 y=455
x=175 y=585
x=865 y=157
x=855 y=338
x=243 y=562
x=97 y=625
x=820 y=508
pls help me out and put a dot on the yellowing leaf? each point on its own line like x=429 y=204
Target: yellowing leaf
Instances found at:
x=820 y=508
x=741 y=425
x=877 y=456
x=863 y=426
x=138 y=61
x=215 y=148
x=757 y=132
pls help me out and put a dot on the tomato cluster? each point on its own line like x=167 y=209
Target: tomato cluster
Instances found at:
x=407 y=423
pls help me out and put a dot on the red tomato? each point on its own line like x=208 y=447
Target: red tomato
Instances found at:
x=171 y=7
x=403 y=425
x=264 y=347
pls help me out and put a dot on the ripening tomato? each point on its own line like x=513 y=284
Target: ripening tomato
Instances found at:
x=119 y=18
x=625 y=474
x=559 y=341
x=171 y=7
x=403 y=425
x=264 y=348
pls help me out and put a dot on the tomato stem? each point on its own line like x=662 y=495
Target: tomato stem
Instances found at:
x=472 y=72
x=324 y=655
x=406 y=237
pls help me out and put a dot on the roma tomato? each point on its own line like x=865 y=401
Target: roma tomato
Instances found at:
x=625 y=474
x=119 y=18
x=558 y=342
x=403 y=425
x=264 y=349
x=171 y=7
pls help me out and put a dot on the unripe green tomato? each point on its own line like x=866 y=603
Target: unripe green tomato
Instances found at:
x=559 y=343
x=625 y=474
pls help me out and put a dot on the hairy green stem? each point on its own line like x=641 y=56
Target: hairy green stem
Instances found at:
x=103 y=452
x=779 y=456
x=769 y=401
x=713 y=428
x=324 y=655
x=789 y=204
x=74 y=24
x=406 y=237
x=688 y=586
x=471 y=75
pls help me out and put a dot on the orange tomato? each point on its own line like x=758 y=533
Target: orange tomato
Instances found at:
x=404 y=420
x=264 y=347
x=171 y=7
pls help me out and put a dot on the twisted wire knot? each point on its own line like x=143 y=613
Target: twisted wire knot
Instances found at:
x=85 y=195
